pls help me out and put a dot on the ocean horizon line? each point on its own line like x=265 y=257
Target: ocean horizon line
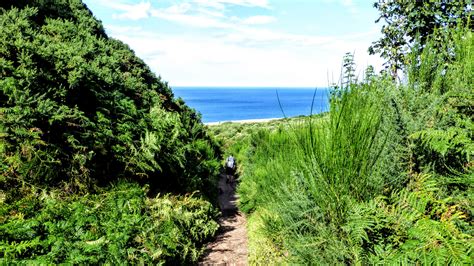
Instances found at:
x=247 y=87
x=246 y=121
x=234 y=104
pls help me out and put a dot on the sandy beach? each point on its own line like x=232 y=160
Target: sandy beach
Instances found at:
x=242 y=121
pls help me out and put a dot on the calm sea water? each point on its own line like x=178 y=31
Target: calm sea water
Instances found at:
x=224 y=104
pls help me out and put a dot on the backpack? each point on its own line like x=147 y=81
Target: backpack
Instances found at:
x=230 y=163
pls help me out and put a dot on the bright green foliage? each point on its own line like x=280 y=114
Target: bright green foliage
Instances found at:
x=308 y=177
x=411 y=23
x=116 y=226
x=417 y=224
x=78 y=111
x=386 y=177
x=79 y=108
x=441 y=96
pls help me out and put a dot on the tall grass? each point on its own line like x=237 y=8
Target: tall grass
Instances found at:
x=384 y=177
x=310 y=174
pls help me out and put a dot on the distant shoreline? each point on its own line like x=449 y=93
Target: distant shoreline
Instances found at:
x=246 y=121
x=246 y=88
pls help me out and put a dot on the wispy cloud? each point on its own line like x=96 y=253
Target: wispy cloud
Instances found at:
x=258 y=20
x=243 y=58
x=135 y=12
x=220 y=4
x=202 y=16
x=199 y=21
x=214 y=8
x=128 y=11
x=348 y=4
x=225 y=47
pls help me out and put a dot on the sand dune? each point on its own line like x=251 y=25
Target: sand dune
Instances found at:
x=242 y=121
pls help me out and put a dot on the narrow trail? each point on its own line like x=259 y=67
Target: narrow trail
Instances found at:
x=230 y=246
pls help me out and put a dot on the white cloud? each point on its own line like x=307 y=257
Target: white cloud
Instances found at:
x=239 y=53
x=200 y=20
x=181 y=8
x=258 y=20
x=135 y=12
x=251 y=36
x=116 y=5
x=206 y=18
x=348 y=4
x=210 y=3
x=128 y=11
x=220 y=4
x=210 y=12
x=197 y=13
x=192 y=60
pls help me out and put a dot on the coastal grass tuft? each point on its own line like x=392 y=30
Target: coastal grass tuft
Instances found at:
x=310 y=175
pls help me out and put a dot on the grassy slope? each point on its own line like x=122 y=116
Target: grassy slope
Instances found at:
x=386 y=177
x=236 y=139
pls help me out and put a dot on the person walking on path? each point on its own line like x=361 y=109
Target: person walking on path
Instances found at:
x=230 y=168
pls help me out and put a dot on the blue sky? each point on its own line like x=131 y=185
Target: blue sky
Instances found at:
x=284 y=43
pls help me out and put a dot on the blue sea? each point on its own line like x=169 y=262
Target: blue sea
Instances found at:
x=226 y=104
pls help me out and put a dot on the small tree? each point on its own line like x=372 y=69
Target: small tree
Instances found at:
x=411 y=22
x=369 y=74
x=348 y=66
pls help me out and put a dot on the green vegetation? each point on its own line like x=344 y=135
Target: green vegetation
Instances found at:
x=99 y=163
x=407 y=23
x=233 y=135
x=79 y=108
x=386 y=176
x=115 y=226
x=78 y=112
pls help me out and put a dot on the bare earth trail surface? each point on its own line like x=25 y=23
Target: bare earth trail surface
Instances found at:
x=230 y=246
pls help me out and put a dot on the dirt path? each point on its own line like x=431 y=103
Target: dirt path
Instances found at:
x=230 y=246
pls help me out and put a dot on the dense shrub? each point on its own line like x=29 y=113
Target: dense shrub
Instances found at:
x=78 y=111
x=78 y=108
x=385 y=178
x=305 y=179
x=115 y=226
x=443 y=135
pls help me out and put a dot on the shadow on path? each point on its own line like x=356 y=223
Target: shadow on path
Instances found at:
x=230 y=245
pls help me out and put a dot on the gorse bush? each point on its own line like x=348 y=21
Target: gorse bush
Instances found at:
x=78 y=108
x=115 y=226
x=384 y=178
x=79 y=111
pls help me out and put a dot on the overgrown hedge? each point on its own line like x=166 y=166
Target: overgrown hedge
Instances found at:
x=118 y=225
x=79 y=111
x=78 y=108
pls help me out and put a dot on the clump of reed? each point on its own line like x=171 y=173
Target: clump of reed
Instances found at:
x=310 y=174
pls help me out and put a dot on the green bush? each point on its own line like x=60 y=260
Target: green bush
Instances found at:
x=443 y=136
x=417 y=224
x=115 y=226
x=78 y=108
x=385 y=177
x=79 y=111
